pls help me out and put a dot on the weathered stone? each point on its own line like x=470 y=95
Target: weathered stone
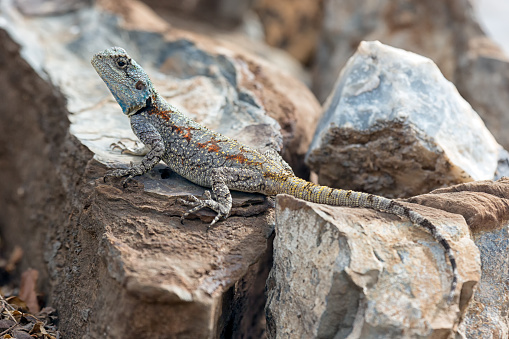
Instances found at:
x=485 y=207
x=445 y=31
x=354 y=273
x=117 y=262
x=395 y=126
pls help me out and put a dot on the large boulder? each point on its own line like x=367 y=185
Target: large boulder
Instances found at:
x=395 y=126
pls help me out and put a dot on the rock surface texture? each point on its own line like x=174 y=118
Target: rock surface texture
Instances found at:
x=116 y=262
x=353 y=273
x=395 y=126
x=445 y=31
x=485 y=207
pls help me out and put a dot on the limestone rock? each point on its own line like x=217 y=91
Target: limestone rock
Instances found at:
x=485 y=207
x=445 y=31
x=395 y=126
x=117 y=262
x=354 y=273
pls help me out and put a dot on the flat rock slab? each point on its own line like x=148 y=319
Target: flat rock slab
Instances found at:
x=354 y=273
x=396 y=127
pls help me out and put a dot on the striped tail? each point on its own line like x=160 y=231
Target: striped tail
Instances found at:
x=308 y=191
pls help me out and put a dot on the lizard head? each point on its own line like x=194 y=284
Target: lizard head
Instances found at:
x=127 y=81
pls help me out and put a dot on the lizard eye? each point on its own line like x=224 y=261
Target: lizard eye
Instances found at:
x=121 y=62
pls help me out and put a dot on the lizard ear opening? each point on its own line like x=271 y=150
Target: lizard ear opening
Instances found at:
x=140 y=85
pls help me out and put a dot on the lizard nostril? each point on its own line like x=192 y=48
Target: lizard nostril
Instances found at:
x=140 y=85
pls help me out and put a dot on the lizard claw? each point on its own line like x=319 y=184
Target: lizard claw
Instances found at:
x=198 y=204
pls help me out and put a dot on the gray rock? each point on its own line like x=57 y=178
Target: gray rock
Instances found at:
x=486 y=316
x=395 y=126
x=354 y=273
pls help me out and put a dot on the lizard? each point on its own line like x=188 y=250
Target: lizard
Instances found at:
x=215 y=161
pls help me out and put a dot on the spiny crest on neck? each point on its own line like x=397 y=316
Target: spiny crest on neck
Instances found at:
x=127 y=81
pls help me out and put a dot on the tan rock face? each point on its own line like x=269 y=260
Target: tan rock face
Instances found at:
x=343 y=272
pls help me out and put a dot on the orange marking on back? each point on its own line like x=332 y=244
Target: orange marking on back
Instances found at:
x=214 y=148
x=238 y=157
x=212 y=145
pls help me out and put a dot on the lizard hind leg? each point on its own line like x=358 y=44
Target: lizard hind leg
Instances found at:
x=221 y=204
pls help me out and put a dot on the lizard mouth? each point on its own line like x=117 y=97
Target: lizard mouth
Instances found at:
x=140 y=108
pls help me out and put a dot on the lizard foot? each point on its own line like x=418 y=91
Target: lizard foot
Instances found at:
x=131 y=172
x=222 y=211
x=137 y=151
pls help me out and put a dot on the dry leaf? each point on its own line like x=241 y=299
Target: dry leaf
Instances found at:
x=27 y=289
x=17 y=303
x=38 y=328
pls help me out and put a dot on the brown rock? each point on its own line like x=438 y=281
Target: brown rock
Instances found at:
x=483 y=204
x=485 y=207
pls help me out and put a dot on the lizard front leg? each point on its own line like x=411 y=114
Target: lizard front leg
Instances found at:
x=222 y=179
x=149 y=135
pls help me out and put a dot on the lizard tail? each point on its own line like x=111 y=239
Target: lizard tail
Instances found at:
x=325 y=195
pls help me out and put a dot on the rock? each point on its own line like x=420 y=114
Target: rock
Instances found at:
x=445 y=31
x=485 y=207
x=117 y=262
x=343 y=272
x=483 y=79
x=224 y=13
x=50 y=7
x=291 y=25
x=395 y=126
